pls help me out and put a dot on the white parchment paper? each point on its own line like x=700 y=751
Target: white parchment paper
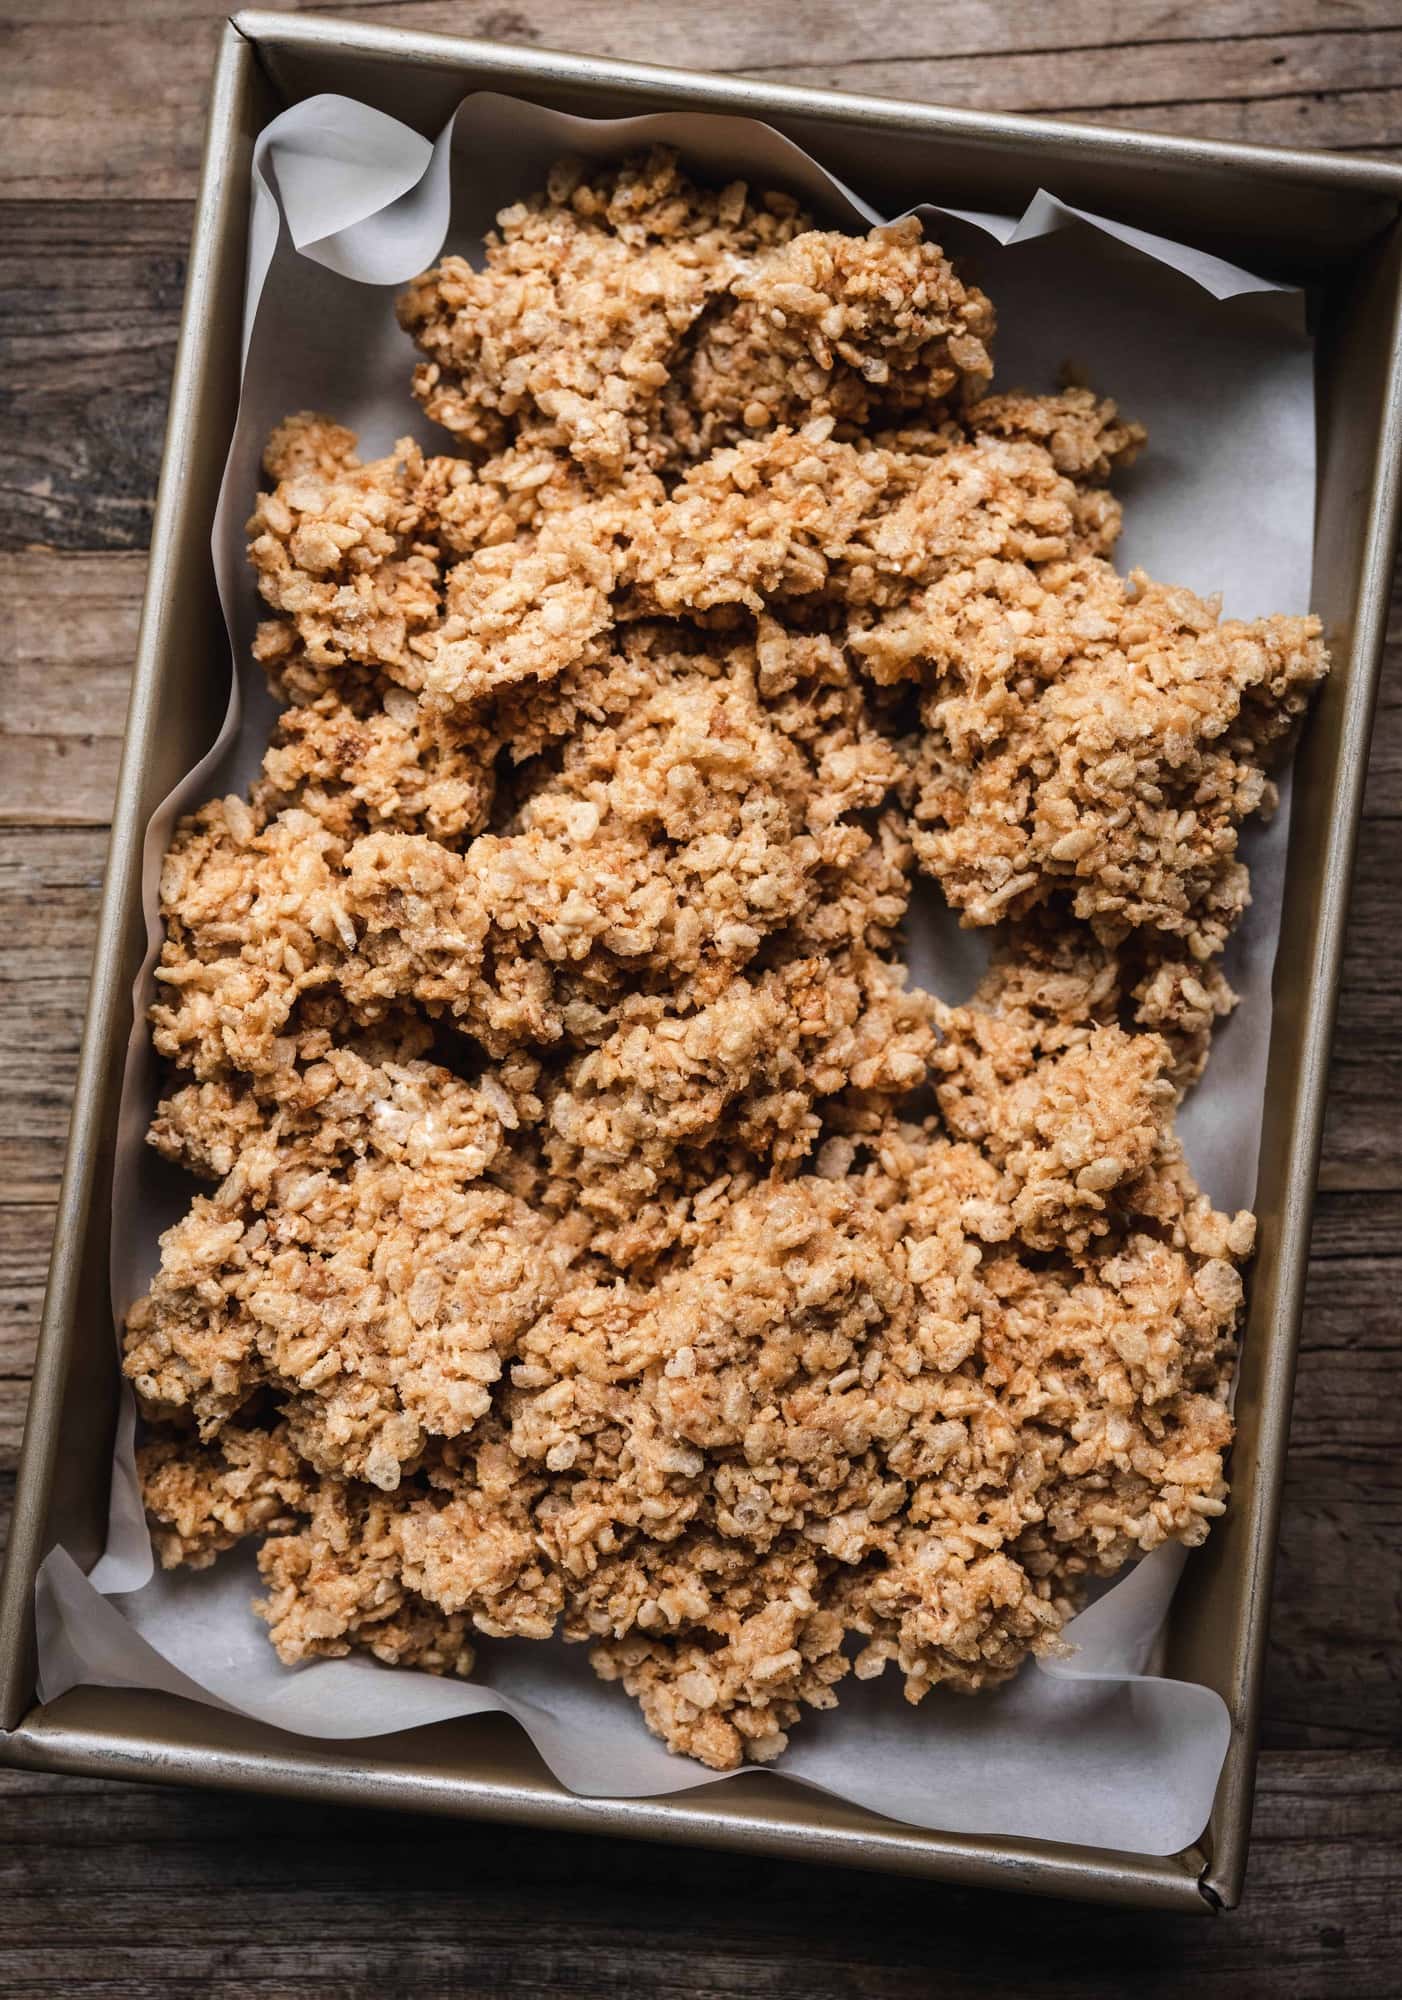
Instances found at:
x=348 y=204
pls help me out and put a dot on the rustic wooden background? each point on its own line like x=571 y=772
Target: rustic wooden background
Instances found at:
x=108 y=1889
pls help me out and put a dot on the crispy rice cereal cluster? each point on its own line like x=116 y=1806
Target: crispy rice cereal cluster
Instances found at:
x=601 y=1238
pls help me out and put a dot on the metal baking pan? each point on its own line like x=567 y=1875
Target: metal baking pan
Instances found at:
x=1327 y=222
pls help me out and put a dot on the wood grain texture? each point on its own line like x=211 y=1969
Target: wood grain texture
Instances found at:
x=89 y=309
x=113 y=1890
x=63 y=699
x=50 y=880
x=86 y=120
x=241 y=1898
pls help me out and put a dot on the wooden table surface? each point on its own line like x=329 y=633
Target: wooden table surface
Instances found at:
x=108 y=1889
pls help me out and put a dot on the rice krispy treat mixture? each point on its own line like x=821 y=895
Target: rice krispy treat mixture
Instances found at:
x=602 y=1239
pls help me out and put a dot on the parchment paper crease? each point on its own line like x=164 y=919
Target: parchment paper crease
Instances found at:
x=348 y=204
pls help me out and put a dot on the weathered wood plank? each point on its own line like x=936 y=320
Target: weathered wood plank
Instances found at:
x=1356 y=1223
x=122 y=1890
x=1334 y=1667
x=14 y=1401
x=1359 y=120
x=63 y=696
x=1362 y=1145
x=50 y=880
x=26 y=1232
x=1383 y=798
x=1313 y=90
x=856 y=30
x=86 y=119
x=89 y=310
x=1332 y=1679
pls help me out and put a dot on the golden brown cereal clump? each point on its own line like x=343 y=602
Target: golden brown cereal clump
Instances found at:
x=1087 y=437
x=203 y=1499
x=861 y=329
x=601 y=1239
x=588 y=291
x=1097 y=738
